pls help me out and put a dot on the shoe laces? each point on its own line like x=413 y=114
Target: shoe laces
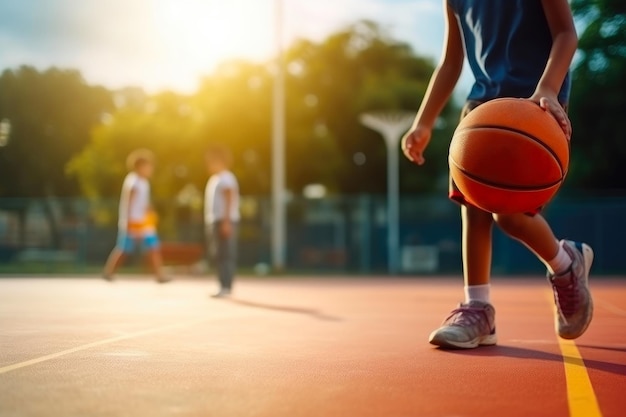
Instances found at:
x=468 y=316
x=566 y=296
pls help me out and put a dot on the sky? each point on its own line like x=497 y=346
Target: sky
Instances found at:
x=171 y=44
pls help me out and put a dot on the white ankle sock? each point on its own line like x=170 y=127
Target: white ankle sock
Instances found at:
x=560 y=263
x=477 y=293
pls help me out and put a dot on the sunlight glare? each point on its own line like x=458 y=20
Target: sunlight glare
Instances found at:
x=194 y=36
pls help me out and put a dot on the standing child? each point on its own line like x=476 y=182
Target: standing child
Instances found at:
x=221 y=217
x=515 y=48
x=137 y=220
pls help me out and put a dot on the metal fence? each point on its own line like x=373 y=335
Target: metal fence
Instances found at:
x=343 y=234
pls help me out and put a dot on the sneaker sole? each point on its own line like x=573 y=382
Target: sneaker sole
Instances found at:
x=442 y=342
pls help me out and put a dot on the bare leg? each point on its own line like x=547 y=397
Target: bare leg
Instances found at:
x=477 y=225
x=156 y=262
x=568 y=265
x=472 y=324
x=532 y=231
x=113 y=262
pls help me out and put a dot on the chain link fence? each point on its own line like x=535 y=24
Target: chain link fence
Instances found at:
x=340 y=234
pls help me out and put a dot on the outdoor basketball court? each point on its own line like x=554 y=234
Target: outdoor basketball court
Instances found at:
x=315 y=347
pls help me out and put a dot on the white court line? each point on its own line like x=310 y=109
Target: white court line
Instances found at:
x=108 y=341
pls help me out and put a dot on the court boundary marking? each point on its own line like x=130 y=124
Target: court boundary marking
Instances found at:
x=581 y=397
x=86 y=346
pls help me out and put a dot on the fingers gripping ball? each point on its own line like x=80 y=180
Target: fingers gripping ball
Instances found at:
x=508 y=156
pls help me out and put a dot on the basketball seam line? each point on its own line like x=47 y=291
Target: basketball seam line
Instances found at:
x=505 y=186
x=531 y=137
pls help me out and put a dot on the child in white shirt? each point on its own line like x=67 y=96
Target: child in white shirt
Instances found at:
x=137 y=220
x=221 y=217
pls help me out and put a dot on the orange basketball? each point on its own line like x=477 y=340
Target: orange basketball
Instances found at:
x=508 y=156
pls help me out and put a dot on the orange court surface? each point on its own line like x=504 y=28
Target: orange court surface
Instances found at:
x=299 y=347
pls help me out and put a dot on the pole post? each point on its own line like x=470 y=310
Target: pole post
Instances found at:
x=278 y=236
x=391 y=125
x=393 y=203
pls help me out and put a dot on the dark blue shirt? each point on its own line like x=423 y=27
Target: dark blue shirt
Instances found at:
x=507 y=44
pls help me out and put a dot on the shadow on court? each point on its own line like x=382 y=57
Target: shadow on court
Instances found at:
x=291 y=347
x=526 y=353
x=316 y=314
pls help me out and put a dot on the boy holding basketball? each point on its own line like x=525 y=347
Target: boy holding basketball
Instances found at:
x=515 y=48
x=137 y=220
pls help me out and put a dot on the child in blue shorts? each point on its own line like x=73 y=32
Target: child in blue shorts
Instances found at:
x=515 y=48
x=137 y=220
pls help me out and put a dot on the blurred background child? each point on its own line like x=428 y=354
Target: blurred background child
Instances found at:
x=137 y=219
x=221 y=216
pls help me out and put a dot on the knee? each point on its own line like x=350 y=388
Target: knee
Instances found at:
x=511 y=224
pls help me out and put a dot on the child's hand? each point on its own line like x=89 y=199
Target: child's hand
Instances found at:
x=556 y=109
x=551 y=105
x=414 y=143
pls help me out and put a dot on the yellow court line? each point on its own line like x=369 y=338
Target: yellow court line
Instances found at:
x=581 y=398
x=51 y=356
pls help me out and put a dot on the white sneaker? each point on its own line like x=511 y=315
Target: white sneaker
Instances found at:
x=223 y=293
x=469 y=326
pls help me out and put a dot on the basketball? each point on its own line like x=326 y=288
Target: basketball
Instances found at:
x=508 y=156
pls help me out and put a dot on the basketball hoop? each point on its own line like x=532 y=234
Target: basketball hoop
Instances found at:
x=391 y=125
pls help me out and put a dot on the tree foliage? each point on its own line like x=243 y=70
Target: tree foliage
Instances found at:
x=356 y=70
x=68 y=137
x=598 y=99
x=163 y=123
x=51 y=114
x=328 y=84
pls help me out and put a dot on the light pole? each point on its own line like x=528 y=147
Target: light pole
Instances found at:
x=391 y=125
x=278 y=236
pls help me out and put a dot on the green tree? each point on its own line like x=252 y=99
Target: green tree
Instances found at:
x=359 y=69
x=51 y=114
x=165 y=123
x=598 y=99
x=328 y=85
x=236 y=104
